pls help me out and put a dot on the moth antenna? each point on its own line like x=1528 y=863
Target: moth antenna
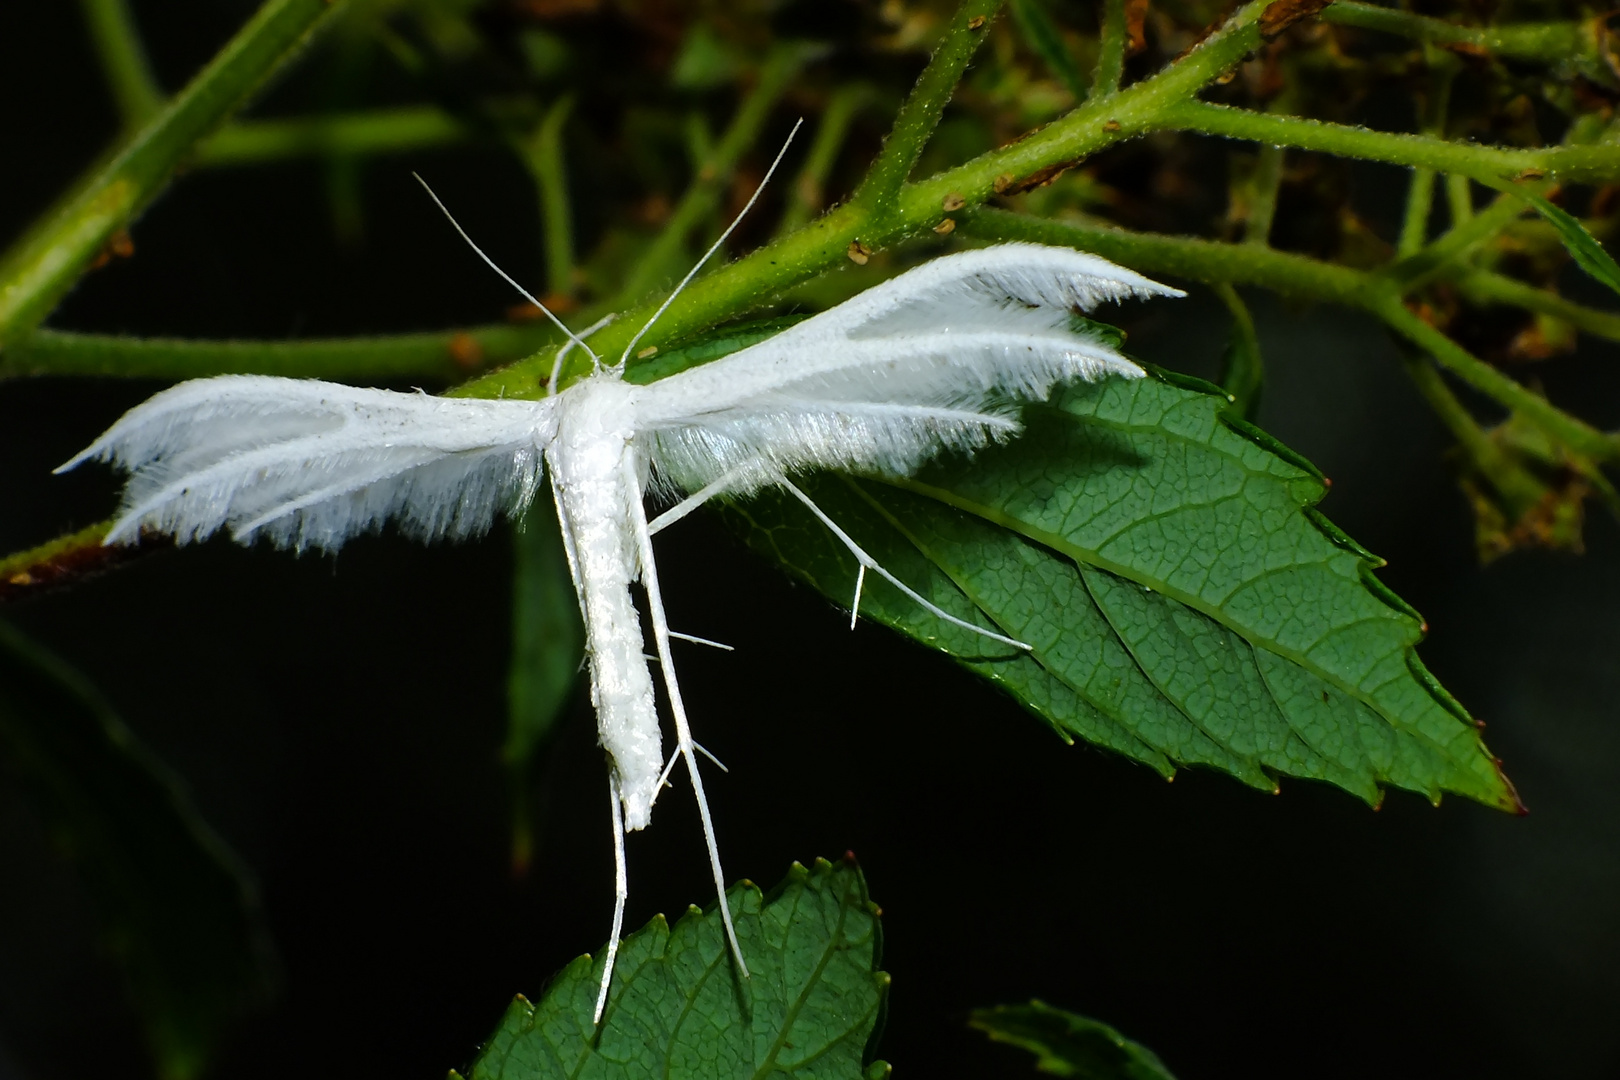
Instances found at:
x=567 y=347
x=572 y=337
x=677 y=708
x=749 y=205
x=621 y=893
x=867 y=562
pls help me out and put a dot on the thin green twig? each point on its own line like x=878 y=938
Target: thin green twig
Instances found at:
x=544 y=156
x=1244 y=374
x=1110 y=51
x=920 y=114
x=401 y=130
x=1488 y=287
x=1456 y=243
x=1264 y=187
x=1486 y=163
x=123 y=60
x=1550 y=42
x=442 y=356
x=44 y=264
x=1459 y=198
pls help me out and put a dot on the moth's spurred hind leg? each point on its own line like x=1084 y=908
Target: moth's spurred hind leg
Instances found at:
x=683 y=732
x=868 y=563
x=621 y=893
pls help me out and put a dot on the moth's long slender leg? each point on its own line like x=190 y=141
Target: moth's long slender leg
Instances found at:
x=694 y=639
x=621 y=892
x=669 y=766
x=683 y=731
x=692 y=502
x=867 y=562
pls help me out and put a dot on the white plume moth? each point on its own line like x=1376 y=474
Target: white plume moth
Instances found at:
x=938 y=358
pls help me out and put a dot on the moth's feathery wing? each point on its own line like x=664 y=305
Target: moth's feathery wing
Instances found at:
x=935 y=358
x=311 y=464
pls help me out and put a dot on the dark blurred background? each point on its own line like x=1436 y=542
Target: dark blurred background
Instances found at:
x=339 y=720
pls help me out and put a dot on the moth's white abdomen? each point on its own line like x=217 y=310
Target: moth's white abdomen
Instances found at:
x=595 y=507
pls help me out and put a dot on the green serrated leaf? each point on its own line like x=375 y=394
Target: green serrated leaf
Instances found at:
x=1184 y=602
x=1068 y=1044
x=176 y=906
x=1582 y=246
x=677 y=1010
x=547 y=643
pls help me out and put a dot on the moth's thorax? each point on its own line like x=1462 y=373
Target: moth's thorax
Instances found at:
x=592 y=471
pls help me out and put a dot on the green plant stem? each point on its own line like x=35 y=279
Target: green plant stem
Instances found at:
x=1244 y=374
x=1207 y=261
x=544 y=157
x=702 y=198
x=372 y=131
x=45 y=263
x=1579 y=436
x=1443 y=68
x=1550 y=42
x=1433 y=260
x=1519 y=489
x=1415 y=220
x=429 y=356
x=1110 y=51
x=123 y=61
x=1488 y=163
x=1459 y=199
x=1487 y=287
x=920 y=113
x=1264 y=186
x=809 y=191
x=1297 y=276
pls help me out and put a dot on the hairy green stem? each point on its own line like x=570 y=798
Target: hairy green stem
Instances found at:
x=441 y=356
x=123 y=61
x=45 y=263
x=1487 y=163
x=373 y=131
x=1433 y=260
x=1207 y=261
x=1487 y=287
x=920 y=113
x=1110 y=51
x=1550 y=42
